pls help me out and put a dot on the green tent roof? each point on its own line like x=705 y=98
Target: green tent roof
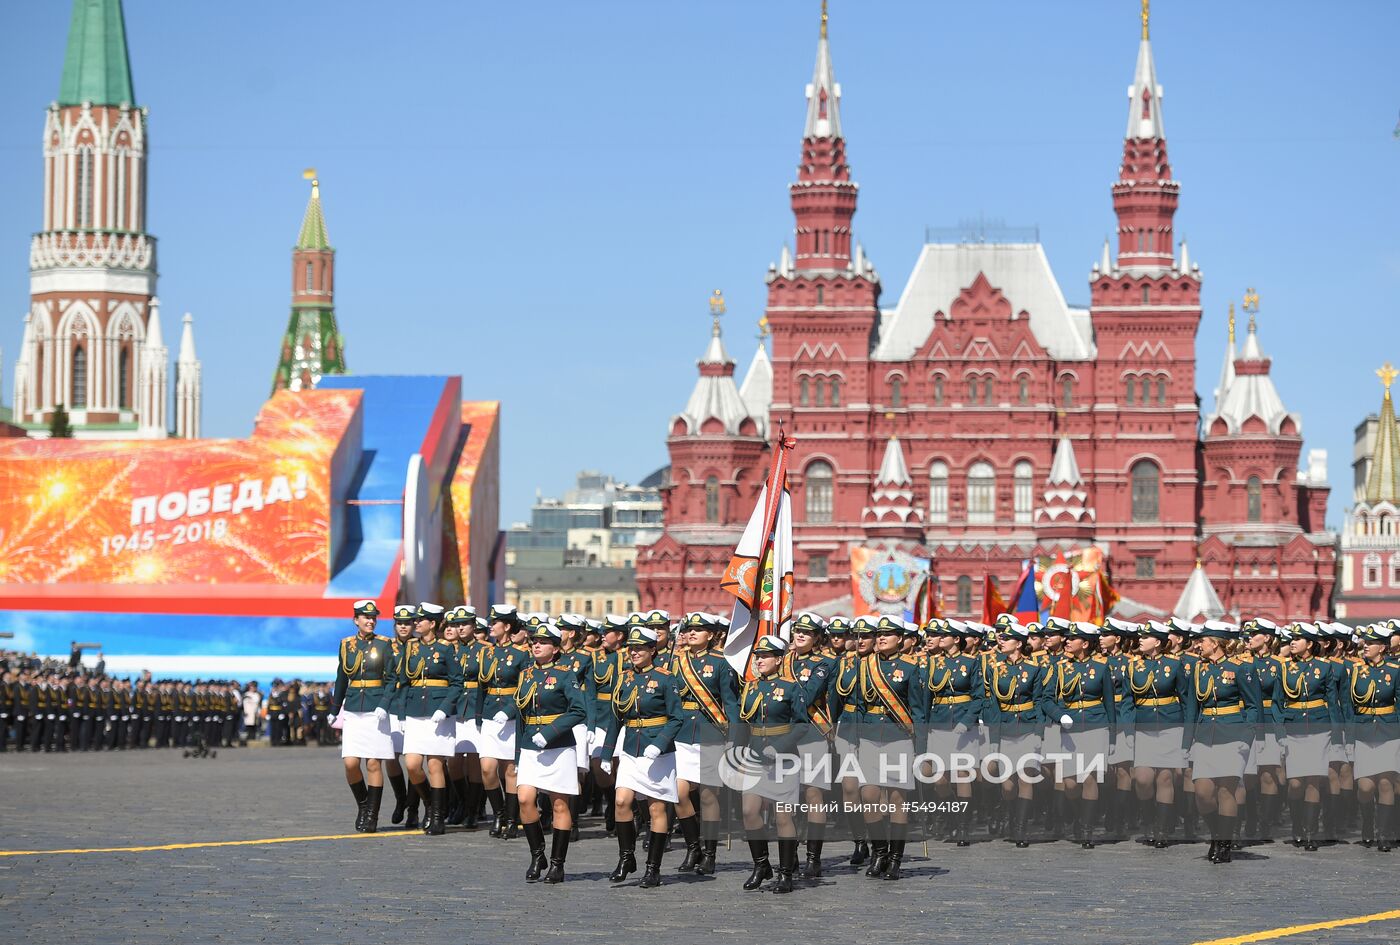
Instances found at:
x=313 y=225
x=96 y=68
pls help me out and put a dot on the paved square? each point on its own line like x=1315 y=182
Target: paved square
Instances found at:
x=469 y=888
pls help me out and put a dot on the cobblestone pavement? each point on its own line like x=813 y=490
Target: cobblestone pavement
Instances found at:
x=468 y=888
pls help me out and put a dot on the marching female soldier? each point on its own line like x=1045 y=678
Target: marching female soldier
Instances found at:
x=550 y=703
x=364 y=680
x=468 y=708
x=1369 y=704
x=1013 y=711
x=1304 y=694
x=403 y=803
x=956 y=688
x=608 y=666
x=1263 y=773
x=815 y=671
x=574 y=659
x=1158 y=685
x=892 y=701
x=1078 y=690
x=1115 y=639
x=770 y=706
x=708 y=689
x=501 y=662
x=642 y=733
x=1224 y=707
x=846 y=712
x=430 y=684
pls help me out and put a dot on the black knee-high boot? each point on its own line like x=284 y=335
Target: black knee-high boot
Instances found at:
x=762 y=869
x=1385 y=827
x=1268 y=810
x=709 y=844
x=879 y=847
x=374 y=797
x=816 y=837
x=497 y=797
x=861 y=853
x=651 y=877
x=787 y=863
x=512 y=817
x=400 y=786
x=1021 y=821
x=357 y=788
x=690 y=830
x=417 y=793
x=626 y=850
x=964 y=822
x=1368 y=824
x=1225 y=830
x=1295 y=815
x=1162 y=827
x=470 y=819
x=580 y=806
x=437 y=815
x=459 y=804
x=559 y=851
x=895 y=859
x=534 y=836
x=1311 y=809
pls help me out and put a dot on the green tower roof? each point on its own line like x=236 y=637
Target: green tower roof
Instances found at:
x=96 y=68
x=313 y=224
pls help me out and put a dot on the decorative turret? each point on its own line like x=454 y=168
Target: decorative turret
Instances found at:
x=1383 y=483
x=189 y=385
x=1247 y=401
x=312 y=346
x=715 y=404
x=1066 y=512
x=891 y=512
x=153 y=391
x=1198 y=599
x=757 y=389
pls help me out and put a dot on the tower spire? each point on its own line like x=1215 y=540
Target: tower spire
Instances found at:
x=96 y=68
x=1383 y=484
x=824 y=196
x=1145 y=196
x=1146 y=14
x=312 y=346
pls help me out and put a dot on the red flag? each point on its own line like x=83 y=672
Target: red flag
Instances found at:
x=923 y=602
x=993 y=606
x=1059 y=586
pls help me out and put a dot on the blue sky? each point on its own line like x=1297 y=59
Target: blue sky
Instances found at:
x=540 y=197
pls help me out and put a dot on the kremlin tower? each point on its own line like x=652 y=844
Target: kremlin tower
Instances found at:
x=92 y=342
x=981 y=420
x=312 y=346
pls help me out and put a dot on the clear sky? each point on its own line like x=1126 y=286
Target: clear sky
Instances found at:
x=541 y=196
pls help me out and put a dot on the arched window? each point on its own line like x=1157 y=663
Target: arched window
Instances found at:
x=1067 y=391
x=938 y=492
x=1162 y=391
x=819 y=482
x=124 y=379
x=1395 y=569
x=1254 y=490
x=1146 y=295
x=712 y=499
x=1023 y=390
x=821 y=296
x=981 y=494
x=1021 y=478
x=802 y=391
x=1128 y=388
x=836 y=392
x=987 y=391
x=896 y=391
x=972 y=388
x=79 y=393
x=84 y=189
x=1371 y=570
x=1146 y=488
x=938 y=390
x=1146 y=392
x=821 y=391
x=964 y=595
x=308 y=277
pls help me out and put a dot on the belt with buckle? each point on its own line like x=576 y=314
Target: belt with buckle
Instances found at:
x=1306 y=704
x=762 y=730
x=1018 y=707
x=1084 y=704
x=431 y=683
x=366 y=683
x=1376 y=709
x=1164 y=700
x=952 y=700
x=650 y=722
x=543 y=719
x=1235 y=709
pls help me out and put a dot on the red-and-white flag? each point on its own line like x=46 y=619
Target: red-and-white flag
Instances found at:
x=760 y=572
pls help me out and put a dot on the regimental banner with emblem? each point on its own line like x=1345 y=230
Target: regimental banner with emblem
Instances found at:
x=887 y=579
x=1076 y=587
x=759 y=574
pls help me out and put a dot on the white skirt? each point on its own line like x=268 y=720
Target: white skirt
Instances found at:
x=364 y=736
x=778 y=781
x=1087 y=748
x=698 y=764
x=600 y=737
x=944 y=743
x=396 y=733
x=817 y=763
x=426 y=737
x=886 y=764
x=467 y=735
x=1224 y=760
x=554 y=770
x=1305 y=756
x=1264 y=752
x=1339 y=754
x=1121 y=751
x=1050 y=742
x=653 y=779
x=1015 y=748
x=1379 y=756
x=1159 y=747
x=496 y=739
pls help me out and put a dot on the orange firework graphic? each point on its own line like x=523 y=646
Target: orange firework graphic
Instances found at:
x=255 y=511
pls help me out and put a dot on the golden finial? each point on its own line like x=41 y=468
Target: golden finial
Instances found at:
x=1232 y=323
x=1251 y=305
x=763 y=331
x=716 y=308
x=824 y=18
x=1387 y=374
x=1144 y=18
x=310 y=174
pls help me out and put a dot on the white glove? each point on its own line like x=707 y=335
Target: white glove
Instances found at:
x=592 y=739
x=500 y=717
x=438 y=717
x=1066 y=722
x=981 y=723
x=381 y=713
x=538 y=739
x=652 y=753
x=769 y=752
x=960 y=729
x=605 y=766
